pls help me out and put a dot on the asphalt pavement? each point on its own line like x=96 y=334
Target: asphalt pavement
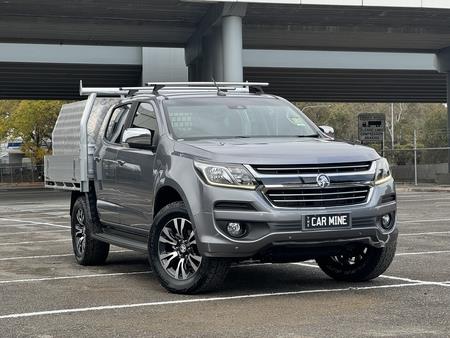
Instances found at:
x=44 y=293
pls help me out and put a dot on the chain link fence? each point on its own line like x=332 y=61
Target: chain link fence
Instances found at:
x=422 y=157
x=420 y=165
x=15 y=174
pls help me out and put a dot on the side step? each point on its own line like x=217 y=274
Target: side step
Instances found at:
x=121 y=241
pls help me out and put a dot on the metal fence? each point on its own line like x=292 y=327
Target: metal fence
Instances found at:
x=408 y=165
x=420 y=165
x=13 y=174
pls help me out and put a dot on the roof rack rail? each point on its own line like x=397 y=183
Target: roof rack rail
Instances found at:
x=155 y=87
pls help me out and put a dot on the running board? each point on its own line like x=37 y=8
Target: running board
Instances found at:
x=121 y=241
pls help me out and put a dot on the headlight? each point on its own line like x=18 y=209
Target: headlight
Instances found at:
x=383 y=173
x=232 y=176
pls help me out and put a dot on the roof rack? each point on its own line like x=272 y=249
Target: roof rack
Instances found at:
x=155 y=87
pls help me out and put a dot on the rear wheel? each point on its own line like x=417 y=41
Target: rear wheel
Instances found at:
x=360 y=263
x=174 y=255
x=87 y=250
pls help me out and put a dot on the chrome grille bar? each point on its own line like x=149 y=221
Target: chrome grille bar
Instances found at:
x=313 y=196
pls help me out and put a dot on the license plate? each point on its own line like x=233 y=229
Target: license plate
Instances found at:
x=327 y=221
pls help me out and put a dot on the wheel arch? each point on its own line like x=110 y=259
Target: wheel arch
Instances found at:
x=91 y=198
x=168 y=193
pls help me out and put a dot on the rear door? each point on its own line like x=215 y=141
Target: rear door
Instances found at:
x=106 y=164
x=135 y=172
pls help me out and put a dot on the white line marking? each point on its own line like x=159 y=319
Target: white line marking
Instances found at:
x=31 y=232
x=421 y=253
x=33 y=257
x=33 y=222
x=48 y=256
x=33 y=242
x=424 y=199
x=14 y=281
x=414 y=280
x=425 y=233
x=408 y=280
x=425 y=220
x=203 y=300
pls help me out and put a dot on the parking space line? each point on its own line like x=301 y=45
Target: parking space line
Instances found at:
x=39 y=241
x=48 y=256
x=425 y=233
x=421 y=253
x=424 y=220
x=408 y=280
x=28 y=280
x=414 y=280
x=204 y=300
x=423 y=199
x=31 y=232
x=33 y=222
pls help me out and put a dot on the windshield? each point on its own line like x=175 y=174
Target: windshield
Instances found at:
x=231 y=117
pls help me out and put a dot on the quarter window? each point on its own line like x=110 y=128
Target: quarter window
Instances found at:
x=117 y=123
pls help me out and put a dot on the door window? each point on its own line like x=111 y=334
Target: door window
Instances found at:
x=145 y=117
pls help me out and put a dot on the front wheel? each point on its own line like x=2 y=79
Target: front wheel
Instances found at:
x=174 y=256
x=359 y=264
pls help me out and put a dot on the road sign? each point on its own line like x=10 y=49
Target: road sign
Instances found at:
x=371 y=127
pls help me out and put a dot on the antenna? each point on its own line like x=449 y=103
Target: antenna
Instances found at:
x=219 y=92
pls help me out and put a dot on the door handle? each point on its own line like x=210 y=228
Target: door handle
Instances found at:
x=121 y=163
x=97 y=159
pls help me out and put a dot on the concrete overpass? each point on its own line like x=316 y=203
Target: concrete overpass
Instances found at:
x=213 y=34
x=53 y=71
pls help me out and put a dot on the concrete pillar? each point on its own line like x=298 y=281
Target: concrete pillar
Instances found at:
x=217 y=54
x=442 y=63
x=207 y=71
x=448 y=118
x=163 y=64
x=232 y=48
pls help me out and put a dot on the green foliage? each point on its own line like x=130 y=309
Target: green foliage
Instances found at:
x=434 y=132
x=429 y=121
x=6 y=108
x=33 y=122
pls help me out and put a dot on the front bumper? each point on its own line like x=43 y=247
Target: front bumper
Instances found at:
x=271 y=227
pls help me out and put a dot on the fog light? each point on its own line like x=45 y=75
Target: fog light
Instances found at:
x=235 y=229
x=386 y=221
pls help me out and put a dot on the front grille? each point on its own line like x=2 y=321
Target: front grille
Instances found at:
x=329 y=168
x=318 y=197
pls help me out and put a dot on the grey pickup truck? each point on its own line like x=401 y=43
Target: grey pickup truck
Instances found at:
x=203 y=175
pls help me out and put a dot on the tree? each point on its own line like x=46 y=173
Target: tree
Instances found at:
x=6 y=108
x=33 y=122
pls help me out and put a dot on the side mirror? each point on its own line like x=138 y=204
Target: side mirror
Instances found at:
x=138 y=138
x=327 y=130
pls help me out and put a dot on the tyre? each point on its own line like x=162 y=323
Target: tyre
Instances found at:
x=174 y=256
x=87 y=250
x=359 y=264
